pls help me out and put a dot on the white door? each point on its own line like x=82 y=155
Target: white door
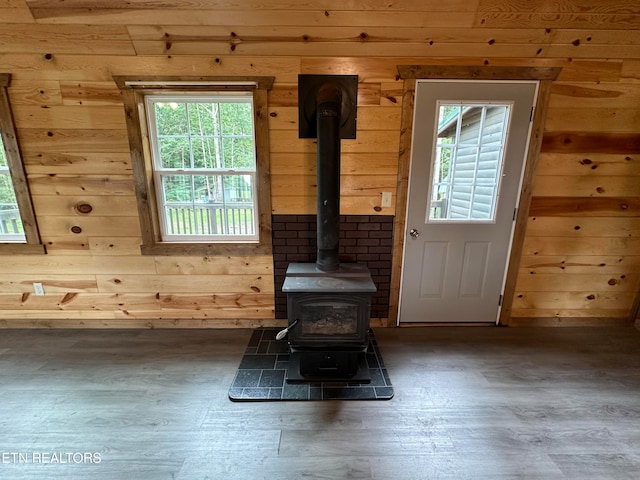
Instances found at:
x=470 y=140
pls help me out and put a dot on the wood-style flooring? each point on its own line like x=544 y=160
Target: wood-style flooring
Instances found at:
x=470 y=403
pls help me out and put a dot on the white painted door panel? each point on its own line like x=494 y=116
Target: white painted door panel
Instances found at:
x=469 y=145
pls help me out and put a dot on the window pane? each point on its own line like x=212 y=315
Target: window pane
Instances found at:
x=11 y=228
x=206 y=152
x=238 y=153
x=209 y=205
x=236 y=119
x=174 y=152
x=171 y=118
x=204 y=118
x=467 y=160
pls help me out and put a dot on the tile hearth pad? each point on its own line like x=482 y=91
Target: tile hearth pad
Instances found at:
x=263 y=368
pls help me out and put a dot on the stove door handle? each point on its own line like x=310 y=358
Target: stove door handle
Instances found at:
x=283 y=333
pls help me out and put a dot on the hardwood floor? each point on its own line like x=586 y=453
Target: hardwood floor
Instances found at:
x=470 y=403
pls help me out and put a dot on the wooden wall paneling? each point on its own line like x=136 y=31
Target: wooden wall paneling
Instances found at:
x=580 y=245
x=193 y=284
x=52 y=184
x=33 y=92
x=78 y=39
x=114 y=245
x=367 y=141
x=350 y=164
x=570 y=282
x=368 y=69
x=85 y=205
x=257 y=17
x=90 y=93
x=72 y=141
x=259 y=265
x=566 y=20
x=560 y=264
x=194 y=39
x=602 y=95
x=584 y=206
x=369 y=118
x=65 y=319
x=576 y=227
x=90 y=225
x=15 y=12
x=74 y=117
x=70 y=125
x=630 y=70
x=311 y=39
x=606 y=164
x=379 y=46
x=593 y=119
x=354 y=205
x=583 y=303
x=78 y=163
x=571 y=321
x=560 y=6
x=53 y=283
x=74 y=301
x=285 y=95
x=587 y=186
x=351 y=185
x=592 y=142
x=590 y=70
x=75 y=6
x=102 y=68
x=67 y=245
x=146 y=305
x=79 y=265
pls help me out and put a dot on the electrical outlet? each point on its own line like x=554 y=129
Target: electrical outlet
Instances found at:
x=37 y=287
x=386 y=199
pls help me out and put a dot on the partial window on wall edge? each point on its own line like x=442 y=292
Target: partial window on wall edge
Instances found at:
x=18 y=229
x=200 y=159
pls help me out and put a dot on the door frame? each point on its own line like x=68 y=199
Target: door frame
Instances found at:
x=410 y=73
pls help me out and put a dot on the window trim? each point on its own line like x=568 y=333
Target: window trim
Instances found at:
x=134 y=90
x=33 y=244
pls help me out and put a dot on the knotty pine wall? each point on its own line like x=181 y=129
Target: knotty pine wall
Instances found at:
x=581 y=258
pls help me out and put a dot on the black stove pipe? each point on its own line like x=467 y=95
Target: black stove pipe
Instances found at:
x=329 y=102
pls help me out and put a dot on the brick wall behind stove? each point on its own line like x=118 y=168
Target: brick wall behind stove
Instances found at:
x=365 y=239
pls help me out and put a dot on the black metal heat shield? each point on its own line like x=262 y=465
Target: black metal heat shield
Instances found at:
x=308 y=86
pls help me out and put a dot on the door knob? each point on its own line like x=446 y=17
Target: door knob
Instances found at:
x=414 y=233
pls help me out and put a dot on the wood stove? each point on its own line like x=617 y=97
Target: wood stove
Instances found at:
x=328 y=303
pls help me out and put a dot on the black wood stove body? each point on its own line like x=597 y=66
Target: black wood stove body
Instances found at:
x=328 y=303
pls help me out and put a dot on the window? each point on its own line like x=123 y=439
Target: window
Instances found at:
x=204 y=166
x=18 y=231
x=467 y=161
x=200 y=161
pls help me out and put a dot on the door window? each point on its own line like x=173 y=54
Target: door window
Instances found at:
x=467 y=159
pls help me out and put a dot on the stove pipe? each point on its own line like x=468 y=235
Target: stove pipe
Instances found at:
x=329 y=101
